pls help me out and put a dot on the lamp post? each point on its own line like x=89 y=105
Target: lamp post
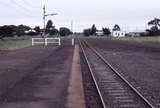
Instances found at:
x=44 y=18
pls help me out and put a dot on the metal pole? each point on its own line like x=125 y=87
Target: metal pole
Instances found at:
x=32 y=41
x=44 y=12
x=72 y=32
x=44 y=18
x=72 y=25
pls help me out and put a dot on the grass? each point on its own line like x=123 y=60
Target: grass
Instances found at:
x=12 y=43
x=153 y=39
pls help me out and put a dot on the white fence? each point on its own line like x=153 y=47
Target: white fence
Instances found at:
x=46 y=41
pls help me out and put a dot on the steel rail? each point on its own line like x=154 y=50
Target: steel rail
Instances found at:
x=114 y=70
x=94 y=79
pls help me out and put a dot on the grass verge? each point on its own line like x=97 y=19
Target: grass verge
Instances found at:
x=11 y=43
x=152 y=39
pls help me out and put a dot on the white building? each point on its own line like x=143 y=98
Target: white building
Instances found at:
x=99 y=33
x=118 y=33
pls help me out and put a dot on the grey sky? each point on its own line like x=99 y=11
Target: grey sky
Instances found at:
x=129 y=14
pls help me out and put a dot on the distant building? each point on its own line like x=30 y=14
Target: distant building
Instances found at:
x=99 y=33
x=31 y=30
x=118 y=33
x=137 y=34
x=133 y=34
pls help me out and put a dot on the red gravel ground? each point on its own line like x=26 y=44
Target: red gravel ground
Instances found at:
x=138 y=62
x=35 y=77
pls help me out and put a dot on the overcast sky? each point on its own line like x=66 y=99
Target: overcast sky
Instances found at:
x=129 y=14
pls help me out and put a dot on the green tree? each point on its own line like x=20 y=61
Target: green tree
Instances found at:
x=49 y=24
x=116 y=28
x=6 y=31
x=93 y=30
x=21 y=29
x=11 y=30
x=53 y=31
x=63 y=31
x=106 y=31
x=155 y=22
x=50 y=29
x=37 y=29
x=87 y=32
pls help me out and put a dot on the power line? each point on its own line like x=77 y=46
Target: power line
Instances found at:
x=22 y=7
x=17 y=10
x=26 y=2
x=29 y=4
x=27 y=11
x=7 y=4
x=3 y=3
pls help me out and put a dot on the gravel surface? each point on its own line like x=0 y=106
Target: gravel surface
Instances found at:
x=137 y=62
x=92 y=98
x=35 y=77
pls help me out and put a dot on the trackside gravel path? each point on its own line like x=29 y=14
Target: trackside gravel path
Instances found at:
x=139 y=63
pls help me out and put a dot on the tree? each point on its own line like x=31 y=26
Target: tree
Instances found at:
x=6 y=31
x=154 y=28
x=50 y=29
x=63 y=31
x=155 y=24
x=106 y=31
x=49 y=24
x=116 y=28
x=37 y=29
x=93 y=30
x=87 y=32
x=11 y=30
x=21 y=29
x=54 y=31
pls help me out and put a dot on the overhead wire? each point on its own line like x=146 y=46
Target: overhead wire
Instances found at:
x=3 y=3
x=26 y=10
x=21 y=6
x=8 y=5
x=29 y=4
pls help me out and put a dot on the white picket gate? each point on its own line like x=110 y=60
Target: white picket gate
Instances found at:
x=46 y=41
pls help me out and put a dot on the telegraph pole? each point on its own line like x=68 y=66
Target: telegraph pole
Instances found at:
x=44 y=18
x=72 y=25
x=72 y=32
x=44 y=12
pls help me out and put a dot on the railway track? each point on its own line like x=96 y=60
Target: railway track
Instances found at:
x=114 y=90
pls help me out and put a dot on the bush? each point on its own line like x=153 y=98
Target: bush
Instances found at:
x=87 y=32
x=31 y=33
x=63 y=31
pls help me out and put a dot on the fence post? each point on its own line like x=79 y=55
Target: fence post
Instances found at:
x=32 y=41
x=72 y=41
x=45 y=41
x=59 y=41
